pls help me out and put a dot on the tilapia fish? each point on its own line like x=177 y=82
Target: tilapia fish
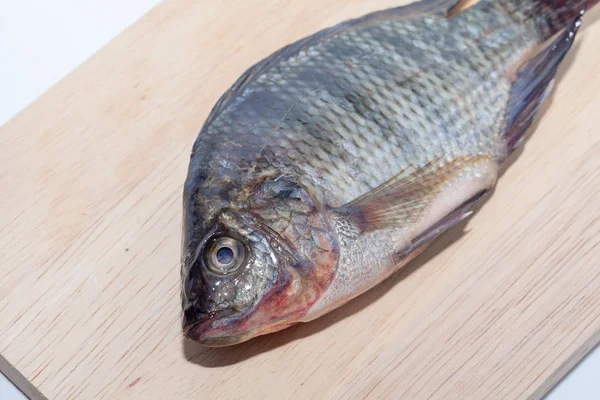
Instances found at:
x=335 y=161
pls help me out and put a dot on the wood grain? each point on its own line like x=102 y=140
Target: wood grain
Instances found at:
x=92 y=176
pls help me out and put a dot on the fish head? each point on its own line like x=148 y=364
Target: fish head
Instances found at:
x=257 y=253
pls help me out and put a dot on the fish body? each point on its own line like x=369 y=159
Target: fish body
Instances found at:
x=337 y=160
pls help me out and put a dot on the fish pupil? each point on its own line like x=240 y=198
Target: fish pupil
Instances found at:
x=225 y=255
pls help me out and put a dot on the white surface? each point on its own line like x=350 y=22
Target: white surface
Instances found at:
x=582 y=383
x=41 y=41
x=8 y=391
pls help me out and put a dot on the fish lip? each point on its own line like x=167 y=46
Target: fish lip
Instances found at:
x=223 y=341
x=197 y=329
x=206 y=334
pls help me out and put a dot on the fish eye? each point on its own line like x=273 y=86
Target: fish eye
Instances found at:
x=224 y=255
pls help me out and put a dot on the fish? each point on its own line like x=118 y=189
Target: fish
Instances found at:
x=334 y=162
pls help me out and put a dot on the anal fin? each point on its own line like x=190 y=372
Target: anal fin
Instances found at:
x=533 y=83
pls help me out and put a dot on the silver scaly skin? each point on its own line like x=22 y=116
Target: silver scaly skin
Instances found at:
x=336 y=161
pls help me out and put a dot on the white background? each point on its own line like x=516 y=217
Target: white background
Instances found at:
x=41 y=41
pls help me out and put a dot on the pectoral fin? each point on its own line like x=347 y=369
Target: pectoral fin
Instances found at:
x=408 y=198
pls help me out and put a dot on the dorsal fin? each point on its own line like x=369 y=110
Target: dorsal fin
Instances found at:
x=441 y=8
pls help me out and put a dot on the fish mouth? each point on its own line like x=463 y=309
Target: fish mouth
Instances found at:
x=206 y=332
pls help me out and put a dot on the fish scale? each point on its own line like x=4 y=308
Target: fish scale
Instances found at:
x=338 y=159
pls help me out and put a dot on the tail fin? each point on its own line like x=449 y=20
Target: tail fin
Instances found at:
x=549 y=16
x=533 y=82
x=560 y=13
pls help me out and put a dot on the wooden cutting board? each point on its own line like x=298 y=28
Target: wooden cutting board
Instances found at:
x=92 y=172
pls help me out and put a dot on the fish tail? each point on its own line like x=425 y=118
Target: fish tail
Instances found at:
x=533 y=82
x=534 y=79
x=558 y=14
x=548 y=16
